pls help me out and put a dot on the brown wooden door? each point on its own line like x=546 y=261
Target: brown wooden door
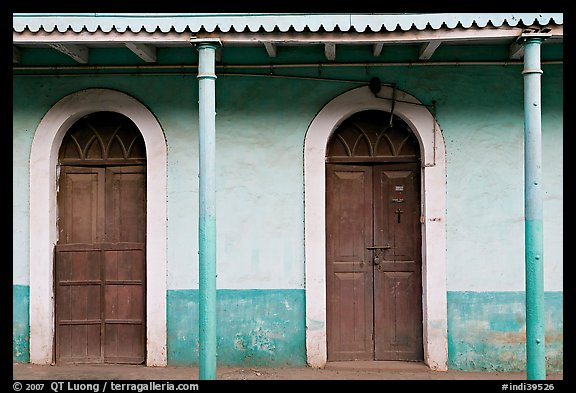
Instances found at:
x=100 y=265
x=350 y=277
x=374 y=296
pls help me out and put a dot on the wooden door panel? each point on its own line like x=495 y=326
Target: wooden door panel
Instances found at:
x=89 y=307
x=77 y=263
x=78 y=304
x=100 y=272
x=124 y=300
x=126 y=204
x=398 y=337
x=395 y=191
x=397 y=282
x=79 y=344
x=349 y=271
x=81 y=205
x=70 y=312
x=123 y=304
x=124 y=344
x=124 y=261
x=350 y=296
x=124 y=326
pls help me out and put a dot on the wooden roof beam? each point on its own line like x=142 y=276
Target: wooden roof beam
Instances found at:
x=270 y=48
x=377 y=49
x=78 y=53
x=15 y=54
x=143 y=51
x=427 y=49
x=330 y=51
x=516 y=51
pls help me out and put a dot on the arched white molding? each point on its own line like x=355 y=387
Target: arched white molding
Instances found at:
x=43 y=214
x=434 y=302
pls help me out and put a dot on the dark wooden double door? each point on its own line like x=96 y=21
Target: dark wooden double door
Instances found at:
x=100 y=262
x=100 y=265
x=374 y=280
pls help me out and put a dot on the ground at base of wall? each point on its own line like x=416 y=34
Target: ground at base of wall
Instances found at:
x=332 y=371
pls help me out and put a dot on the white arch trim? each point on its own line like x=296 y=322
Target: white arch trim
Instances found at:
x=43 y=214
x=434 y=303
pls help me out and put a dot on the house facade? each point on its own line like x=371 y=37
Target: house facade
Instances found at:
x=369 y=188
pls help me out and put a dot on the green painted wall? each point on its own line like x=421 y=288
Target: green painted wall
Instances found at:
x=20 y=324
x=254 y=328
x=261 y=124
x=487 y=331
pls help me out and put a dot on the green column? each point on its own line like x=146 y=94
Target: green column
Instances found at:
x=207 y=207
x=533 y=205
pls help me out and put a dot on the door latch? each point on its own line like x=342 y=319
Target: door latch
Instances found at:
x=378 y=254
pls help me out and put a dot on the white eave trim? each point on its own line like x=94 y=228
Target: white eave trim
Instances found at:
x=226 y=22
x=276 y=38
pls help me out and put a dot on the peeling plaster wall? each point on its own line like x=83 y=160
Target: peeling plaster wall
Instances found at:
x=255 y=327
x=487 y=331
x=20 y=324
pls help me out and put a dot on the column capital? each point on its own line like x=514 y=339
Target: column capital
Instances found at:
x=206 y=57
x=202 y=42
x=534 y=37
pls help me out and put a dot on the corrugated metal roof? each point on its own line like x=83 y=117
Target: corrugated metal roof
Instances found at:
x=225 y=22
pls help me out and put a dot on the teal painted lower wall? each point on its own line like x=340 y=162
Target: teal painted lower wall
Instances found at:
x=487 y=331
x=20 y=324
x=266 y=327
x=254 y=327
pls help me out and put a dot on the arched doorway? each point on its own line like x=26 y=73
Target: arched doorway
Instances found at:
x=373 y=240
x=433 y=201
x=43 y=216
x=100 y=259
